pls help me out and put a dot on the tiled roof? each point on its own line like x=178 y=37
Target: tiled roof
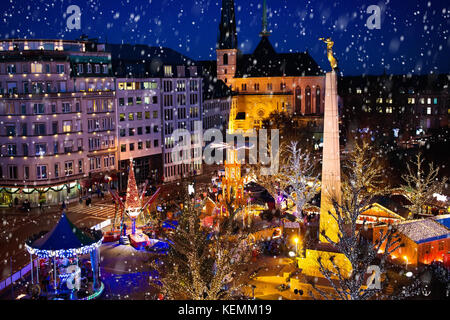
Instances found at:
x=266 y=62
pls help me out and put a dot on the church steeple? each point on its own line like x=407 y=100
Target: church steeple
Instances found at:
x=227 y=28
x=264 y=32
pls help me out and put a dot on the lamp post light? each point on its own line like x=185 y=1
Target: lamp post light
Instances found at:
x=296 y=245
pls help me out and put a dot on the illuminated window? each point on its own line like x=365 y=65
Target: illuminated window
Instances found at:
x=428 y=110
x=36 y=68
x=168 y=71
x=67 y=126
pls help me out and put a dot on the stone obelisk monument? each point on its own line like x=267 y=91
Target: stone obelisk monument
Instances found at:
x=331 y=185
x=331 y=170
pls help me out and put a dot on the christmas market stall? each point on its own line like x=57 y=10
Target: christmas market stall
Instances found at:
x=68 y=275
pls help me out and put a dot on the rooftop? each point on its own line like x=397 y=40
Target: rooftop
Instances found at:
x=266 y=62
x=423 y=230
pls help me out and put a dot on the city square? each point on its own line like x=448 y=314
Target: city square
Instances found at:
x=134 y=169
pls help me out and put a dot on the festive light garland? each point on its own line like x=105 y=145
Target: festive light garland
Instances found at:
x=64 y=253
x=39 y=190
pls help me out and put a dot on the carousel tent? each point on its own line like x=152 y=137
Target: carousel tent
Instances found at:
x=64 y=240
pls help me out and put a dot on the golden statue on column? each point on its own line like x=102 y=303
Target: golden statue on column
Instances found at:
x=331 y=58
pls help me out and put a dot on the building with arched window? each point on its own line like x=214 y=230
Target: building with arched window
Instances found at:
x=265 y=80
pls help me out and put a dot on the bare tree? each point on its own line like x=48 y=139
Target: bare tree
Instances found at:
x=420 y=185
x=296 y=178
x=275 y=183
x=363 y=182
x=205 y=263
x=298 y=173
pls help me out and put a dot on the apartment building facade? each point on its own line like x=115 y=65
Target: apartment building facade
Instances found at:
x=181 y=96
x=139 y=128
x=57 y=109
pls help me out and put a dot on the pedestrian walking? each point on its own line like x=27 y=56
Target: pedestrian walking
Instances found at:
x=63 y=205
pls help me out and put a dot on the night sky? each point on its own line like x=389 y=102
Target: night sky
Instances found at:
x=414 y=36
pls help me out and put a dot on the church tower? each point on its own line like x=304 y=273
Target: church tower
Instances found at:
x=226 y=48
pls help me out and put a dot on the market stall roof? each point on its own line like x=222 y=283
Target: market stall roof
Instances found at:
x=423 y=230
x=64 y=240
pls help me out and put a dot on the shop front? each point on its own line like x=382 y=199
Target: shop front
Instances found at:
x=52 y=195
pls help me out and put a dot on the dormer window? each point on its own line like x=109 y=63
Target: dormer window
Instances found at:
x=167 y=71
